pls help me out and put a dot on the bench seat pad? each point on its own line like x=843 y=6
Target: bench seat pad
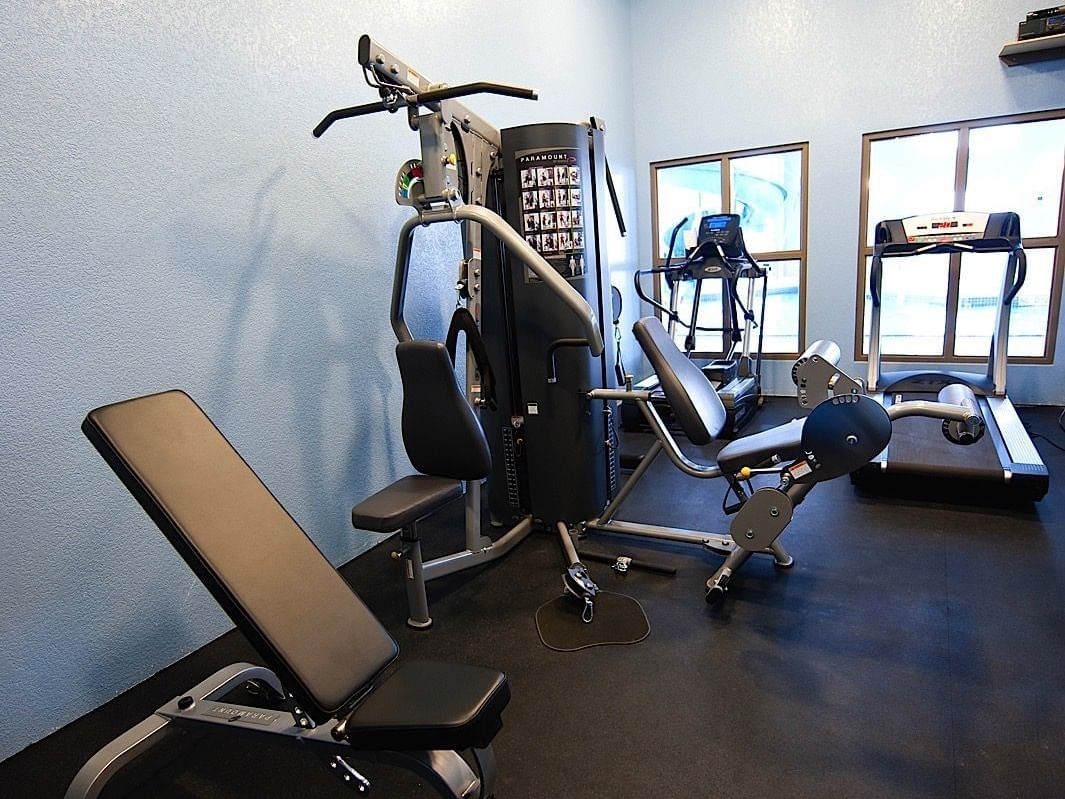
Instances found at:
x=426 y=706
x=784 y=441
x=404 y=502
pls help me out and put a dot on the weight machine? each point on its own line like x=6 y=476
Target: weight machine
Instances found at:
x=529 y=201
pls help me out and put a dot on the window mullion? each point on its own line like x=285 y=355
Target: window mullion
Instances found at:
x=953 y=292
x=726 y=208
x=961 y=175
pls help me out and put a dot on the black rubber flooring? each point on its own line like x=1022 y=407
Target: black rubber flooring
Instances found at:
x=916 y=649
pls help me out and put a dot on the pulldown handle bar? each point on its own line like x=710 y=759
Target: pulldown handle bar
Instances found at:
x=392 y=101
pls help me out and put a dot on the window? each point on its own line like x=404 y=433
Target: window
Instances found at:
x=942 y=307
x=767 y=188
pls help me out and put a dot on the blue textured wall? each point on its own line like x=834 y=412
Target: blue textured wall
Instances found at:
x=167 y=220
x=717 y=76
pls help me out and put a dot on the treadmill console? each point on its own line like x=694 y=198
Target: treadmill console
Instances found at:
x=946 y=232
x=960 y=226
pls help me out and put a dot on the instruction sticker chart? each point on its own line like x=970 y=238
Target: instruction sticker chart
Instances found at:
x=551 y=210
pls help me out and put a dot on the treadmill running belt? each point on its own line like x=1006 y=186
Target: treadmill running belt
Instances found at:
x=919 y=447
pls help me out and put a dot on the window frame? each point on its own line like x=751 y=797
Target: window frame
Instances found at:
x=961 y=169
x=800 y=254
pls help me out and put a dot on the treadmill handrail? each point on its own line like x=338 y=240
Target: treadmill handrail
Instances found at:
x=1022 y=274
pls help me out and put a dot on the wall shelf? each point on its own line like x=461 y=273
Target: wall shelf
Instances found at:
x=1045 y=48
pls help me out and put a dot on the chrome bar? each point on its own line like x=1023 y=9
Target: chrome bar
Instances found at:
x=518 y=246
x=932 y=410
x=672 y=450
x=567 y=544
x=619 y=394
x=402 y=269
x=718 y=543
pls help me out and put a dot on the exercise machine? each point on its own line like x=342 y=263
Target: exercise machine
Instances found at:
x=844 y=429
x=528 y=201
x=719 y=254
x=544 y=439
x=332 y=685
x=1006 y=457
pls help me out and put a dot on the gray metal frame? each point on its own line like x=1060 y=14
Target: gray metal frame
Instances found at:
x=735 y=554
x=200 y=710
x=452 y=138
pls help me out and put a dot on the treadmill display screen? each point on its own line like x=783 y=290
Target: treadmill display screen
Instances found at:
x=960 y=226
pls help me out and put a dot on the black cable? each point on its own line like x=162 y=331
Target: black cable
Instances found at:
x=1061 y=423
x=1052 y=443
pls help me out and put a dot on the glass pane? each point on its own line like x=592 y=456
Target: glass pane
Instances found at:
x=913 y=308
x=781 y=308
x=911 y=175
x=1018 y=168
x=692 y=191
x=767 y=194
x=709 y=314
x=979 y=292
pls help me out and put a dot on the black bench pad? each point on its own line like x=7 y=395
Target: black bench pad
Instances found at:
x=404 y=502
x=431 y=706
x=785 y=441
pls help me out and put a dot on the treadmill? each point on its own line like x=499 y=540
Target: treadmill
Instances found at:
x=719 y=254
x=1006 y=456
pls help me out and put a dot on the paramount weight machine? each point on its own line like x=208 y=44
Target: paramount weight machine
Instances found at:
x=530 y=203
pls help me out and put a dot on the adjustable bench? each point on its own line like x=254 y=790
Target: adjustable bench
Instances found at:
x=333 y=680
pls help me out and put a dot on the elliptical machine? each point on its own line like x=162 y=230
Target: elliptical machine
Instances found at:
x=720 y=254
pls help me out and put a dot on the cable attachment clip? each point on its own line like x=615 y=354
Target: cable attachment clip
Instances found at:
x=577 y=582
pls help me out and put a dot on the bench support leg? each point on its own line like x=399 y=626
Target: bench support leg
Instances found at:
x=417 y=603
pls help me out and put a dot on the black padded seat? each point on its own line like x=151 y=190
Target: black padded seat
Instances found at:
x=784 y=441
x=431 y=706
x=695 y=404
x=404 y=502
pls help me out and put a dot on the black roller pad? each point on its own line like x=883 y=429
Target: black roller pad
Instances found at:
x=618 y=619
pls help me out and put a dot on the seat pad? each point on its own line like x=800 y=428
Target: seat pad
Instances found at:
x=425 y=705
x=404 y=502
x=784 y=441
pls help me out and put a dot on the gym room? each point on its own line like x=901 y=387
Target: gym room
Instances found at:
x=587 y=398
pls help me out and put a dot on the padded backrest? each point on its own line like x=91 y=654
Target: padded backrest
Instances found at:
x=260 y=566
x=694 y=402
x=440 y=430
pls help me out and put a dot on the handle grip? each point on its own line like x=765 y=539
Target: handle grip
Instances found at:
x=875 y=278
x=348 y=113
x=1022 y=273
x=432 y=96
